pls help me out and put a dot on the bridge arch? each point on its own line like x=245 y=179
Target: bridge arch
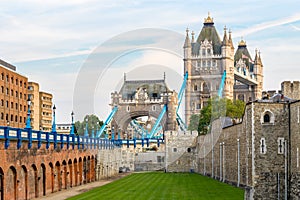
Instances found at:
x=11 y=183
x=70 y=174
x=1 y=184
x=42 y=180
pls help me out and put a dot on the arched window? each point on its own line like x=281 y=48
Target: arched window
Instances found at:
x=266 y=118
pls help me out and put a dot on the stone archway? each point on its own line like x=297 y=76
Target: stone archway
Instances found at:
x=11 y=183
x=33 y=182
x=64 y=175
x=76 y=172
x=42 y=180
x=70 y=173
x=23 y=183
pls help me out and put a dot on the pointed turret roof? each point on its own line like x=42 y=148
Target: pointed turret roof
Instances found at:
x=225 y=41
x=243 y=53
x=230 y=40
x=209 y=32
x=187 y=42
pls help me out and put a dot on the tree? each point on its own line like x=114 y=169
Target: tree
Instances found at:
x=216 y=108
x=93 y=123
x=194 y=122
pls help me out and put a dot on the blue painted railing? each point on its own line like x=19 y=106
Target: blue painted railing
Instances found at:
x=60 y=140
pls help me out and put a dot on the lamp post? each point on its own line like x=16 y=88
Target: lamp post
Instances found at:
x=72 y=125
x=53 y=124
x=28 y=113
x=86 y=132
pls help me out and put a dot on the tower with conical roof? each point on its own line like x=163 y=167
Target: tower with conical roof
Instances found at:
x=205 y=60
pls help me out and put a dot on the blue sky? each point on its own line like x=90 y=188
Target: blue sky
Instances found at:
x=50 y=41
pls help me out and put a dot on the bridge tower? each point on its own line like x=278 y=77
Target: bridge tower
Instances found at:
x=205 y=60
x=139 y=98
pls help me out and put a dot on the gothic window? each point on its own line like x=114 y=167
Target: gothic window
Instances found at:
x=153 y=108
x=174 y=149
x=241 y=97
x=214 y=63
x=205 y=87
x=208 y=51
x=203 y=63
x=208 y=63
x=128 y=108
x=281 y=145
x=267 y=118
x=263 y=146
x=198 y=106
x=195 y=87
x=203 y=52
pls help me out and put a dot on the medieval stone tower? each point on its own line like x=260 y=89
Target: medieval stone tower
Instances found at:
x=205 y=60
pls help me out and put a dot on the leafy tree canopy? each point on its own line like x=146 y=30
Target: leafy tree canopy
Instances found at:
x=92 y=122
x=214 y=109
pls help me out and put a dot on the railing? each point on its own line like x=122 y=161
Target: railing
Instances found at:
x=58 y=140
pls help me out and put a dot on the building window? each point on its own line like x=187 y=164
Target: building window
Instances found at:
x=6 y=104
x=16 y=118
x=20 y=107
x=12 y=93
x=12 y=79
x=174 y=149
x=6 y=117
x=17 y=106
x=7 y=78
x=11 y=118
x=128 y=109
x=153 y=108
x=24 y=108
x=17 y=82
x=20 y=95
x=17 y=94
x=2 y=76
x=20 y=119
x=281 y=144
x=2 y=102
x=208 y=51
x=21 y=83
x=2 y=116
x=241 y=97
x=195 y=87
x=198 y=106
x=11 y=105
x=266 y=118
x=24 y=85
x=2 y=89
x=263 y=146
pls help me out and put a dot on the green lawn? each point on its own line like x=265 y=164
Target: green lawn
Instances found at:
x=156 y=185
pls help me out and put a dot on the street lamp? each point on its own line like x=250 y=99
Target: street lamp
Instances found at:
x=53 y=124
x=28 y=113
x=72 y=125
x=86 y=132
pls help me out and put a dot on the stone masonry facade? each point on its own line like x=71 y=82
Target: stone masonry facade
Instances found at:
x=259 y=154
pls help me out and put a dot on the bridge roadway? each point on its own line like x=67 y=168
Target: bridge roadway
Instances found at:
x=35 y=163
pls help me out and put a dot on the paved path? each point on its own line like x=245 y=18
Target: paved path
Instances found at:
x=64 y=194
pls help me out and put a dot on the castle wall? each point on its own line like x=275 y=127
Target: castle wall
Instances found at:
x=294 y=152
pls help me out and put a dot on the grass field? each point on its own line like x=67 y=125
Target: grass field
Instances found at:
x=156 y=185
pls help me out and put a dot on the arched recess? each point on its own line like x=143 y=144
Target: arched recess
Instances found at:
x=11 y=183
x=76 y=172
x=88 y=169
x=42 y=180
x=80 y=171
x=52 y=176
x=97 y=168
x=64 y=175
x=23 y=183
x=33 y=182
x=1 y=184
x=93 y=168
x=84 y=170
x=267 y=117
x=70 y=173
x=57 y=177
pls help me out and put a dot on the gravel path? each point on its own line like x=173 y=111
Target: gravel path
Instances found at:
x=64 y=194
